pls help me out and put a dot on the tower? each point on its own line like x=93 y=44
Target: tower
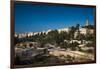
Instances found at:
x=87 y=26
x=87 y=22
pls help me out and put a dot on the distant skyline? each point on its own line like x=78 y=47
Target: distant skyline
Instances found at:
x=37 y=18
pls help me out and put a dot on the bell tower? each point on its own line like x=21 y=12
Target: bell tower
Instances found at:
x=87 y=22
x=87 y=25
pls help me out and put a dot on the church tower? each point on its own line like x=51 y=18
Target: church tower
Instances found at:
x=87 y=22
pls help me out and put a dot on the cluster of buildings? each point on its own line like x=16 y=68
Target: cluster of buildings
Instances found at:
x=82 y=31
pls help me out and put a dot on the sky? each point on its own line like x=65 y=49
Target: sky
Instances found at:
x=37 y=18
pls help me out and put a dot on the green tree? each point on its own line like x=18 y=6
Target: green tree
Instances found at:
x=72 y=31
